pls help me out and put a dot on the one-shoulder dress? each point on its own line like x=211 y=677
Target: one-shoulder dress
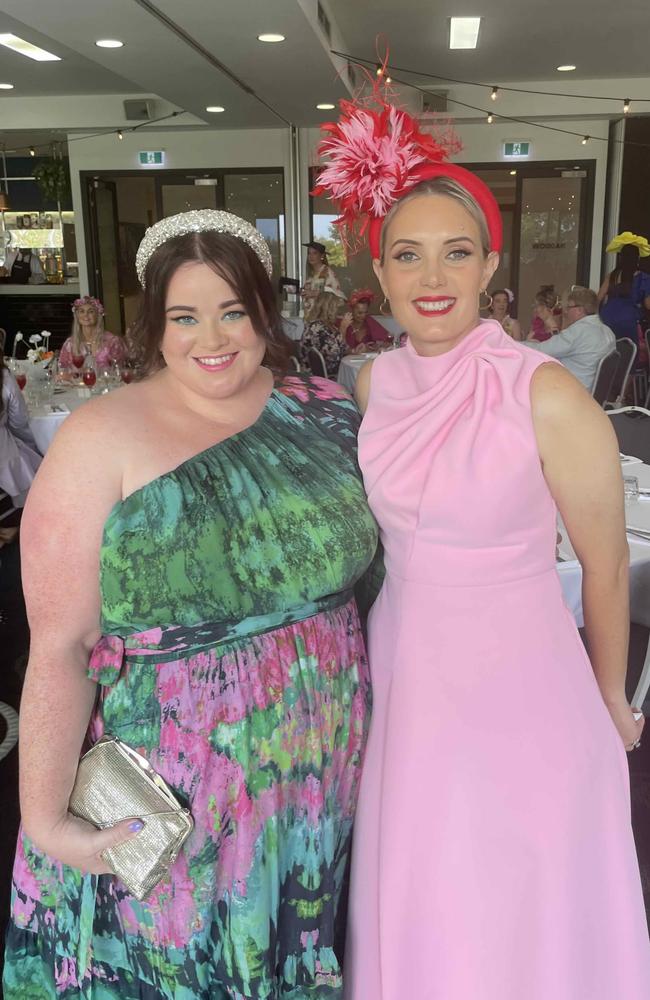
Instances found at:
x=232 y=658
x=493 y=854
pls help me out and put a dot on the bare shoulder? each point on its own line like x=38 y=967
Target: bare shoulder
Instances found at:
x=103 y=420
x=564 y=414
x=362 y=387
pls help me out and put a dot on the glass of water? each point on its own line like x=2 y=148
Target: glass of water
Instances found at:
x=630 y=488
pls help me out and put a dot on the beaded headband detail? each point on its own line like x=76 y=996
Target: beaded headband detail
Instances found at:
x=201 y=221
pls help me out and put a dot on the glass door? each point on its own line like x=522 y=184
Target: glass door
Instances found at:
x=105 y=250
x=550 y=231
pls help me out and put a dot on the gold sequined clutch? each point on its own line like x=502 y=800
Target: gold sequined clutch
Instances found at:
x=114 y=783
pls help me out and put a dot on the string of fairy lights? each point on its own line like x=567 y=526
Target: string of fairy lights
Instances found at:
x=388 y=76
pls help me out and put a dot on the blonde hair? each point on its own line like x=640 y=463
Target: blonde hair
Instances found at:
x=448 y=188
x=325 y=308
x=77 y=338
x=583 y=297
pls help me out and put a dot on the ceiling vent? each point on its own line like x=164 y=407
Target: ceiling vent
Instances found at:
x=138 y=111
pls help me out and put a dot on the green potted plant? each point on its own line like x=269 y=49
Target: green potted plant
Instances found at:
x=53 y=180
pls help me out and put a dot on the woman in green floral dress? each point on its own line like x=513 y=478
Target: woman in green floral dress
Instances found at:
x=195 y=600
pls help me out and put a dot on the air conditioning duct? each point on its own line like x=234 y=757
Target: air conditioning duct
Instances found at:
x=138 y=111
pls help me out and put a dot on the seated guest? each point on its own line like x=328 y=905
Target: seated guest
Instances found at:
x=360 y=330
x=584 y=341
x=19 y=456
x=546 y=314
x=322 y=333
x=89 y=336
x=502 y=301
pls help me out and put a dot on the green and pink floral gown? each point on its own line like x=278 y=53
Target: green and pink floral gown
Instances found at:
x=232 y=657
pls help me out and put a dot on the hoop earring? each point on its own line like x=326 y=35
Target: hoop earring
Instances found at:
x=488 y=305
x=381 y=307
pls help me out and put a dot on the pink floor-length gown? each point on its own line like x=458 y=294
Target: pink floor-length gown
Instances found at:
x=493 y=852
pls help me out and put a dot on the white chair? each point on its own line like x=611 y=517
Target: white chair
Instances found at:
x=293 y=360
x=627 y=350
x=317 y=362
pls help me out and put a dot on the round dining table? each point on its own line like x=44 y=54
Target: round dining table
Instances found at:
x=45 y=418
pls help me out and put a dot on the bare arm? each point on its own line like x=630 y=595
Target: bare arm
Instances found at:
x=362 y=387
x=580 y=459
x=602 y=291
x=81 y=479
x=515 y=328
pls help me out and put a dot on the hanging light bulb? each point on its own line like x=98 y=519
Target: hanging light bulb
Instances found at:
x=495 y=93
x=389 y=79
x=32 y=151
x=490 y=118
x=586 y=140
x=380 y=70
x=120 y=134
x=626 y=105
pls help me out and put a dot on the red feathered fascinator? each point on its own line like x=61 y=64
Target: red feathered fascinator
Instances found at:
x=361 y=295
x=376 y=157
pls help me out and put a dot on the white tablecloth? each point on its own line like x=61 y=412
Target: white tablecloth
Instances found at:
x=45 y=420
x=349 y=370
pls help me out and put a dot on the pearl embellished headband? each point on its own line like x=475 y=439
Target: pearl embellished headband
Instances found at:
x=201 y=221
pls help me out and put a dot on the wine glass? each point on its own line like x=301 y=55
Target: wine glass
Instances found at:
x=21 y=379
x=89 y=374
x=126 y=372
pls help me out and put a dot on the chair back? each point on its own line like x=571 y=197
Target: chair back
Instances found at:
x=316 y=362
x=293 y=361
x=627 y=350
x=605 y=375
x=632 y=428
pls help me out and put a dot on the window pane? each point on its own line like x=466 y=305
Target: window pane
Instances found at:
x=259 y=198
x=185 y=197
x=550 y=227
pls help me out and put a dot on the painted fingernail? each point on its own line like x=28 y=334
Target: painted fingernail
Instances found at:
x=136 y=826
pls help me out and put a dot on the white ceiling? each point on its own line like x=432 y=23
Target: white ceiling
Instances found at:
x=518 y=40
x=193 y=53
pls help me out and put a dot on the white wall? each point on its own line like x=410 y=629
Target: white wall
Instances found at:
x=183 y=150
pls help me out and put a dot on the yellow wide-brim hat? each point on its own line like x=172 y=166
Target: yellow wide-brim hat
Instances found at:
x=627 y=239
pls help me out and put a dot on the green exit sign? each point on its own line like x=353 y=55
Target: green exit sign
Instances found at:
x=151 y=157
x=516 y=149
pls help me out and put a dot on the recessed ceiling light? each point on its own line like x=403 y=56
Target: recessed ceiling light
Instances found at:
x=566 y=69
x=513 y=173
x=325 y=107
x=215 y=109
x=27 y=49
x=6 y=86
x=463 y=32
x=270 y=37
x=109 y=43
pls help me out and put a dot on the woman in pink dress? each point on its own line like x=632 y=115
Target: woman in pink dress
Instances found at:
x=493 y=851
x=89 y=336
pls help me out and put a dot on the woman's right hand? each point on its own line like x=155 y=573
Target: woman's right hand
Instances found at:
x=346 y=321
x=79 y=844
x=629 y=728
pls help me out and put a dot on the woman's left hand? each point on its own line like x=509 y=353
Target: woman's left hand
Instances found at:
x=629 y=728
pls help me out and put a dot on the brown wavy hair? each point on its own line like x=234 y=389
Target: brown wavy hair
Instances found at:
x=238 y=265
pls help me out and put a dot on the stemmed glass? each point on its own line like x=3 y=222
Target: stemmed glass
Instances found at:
x=89 y=374
x=78 y=360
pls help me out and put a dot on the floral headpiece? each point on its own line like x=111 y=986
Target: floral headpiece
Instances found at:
x=88 y=300
x=629 y=239
x=376 y=157
x=361 y=295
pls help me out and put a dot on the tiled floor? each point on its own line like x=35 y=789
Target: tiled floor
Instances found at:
x=13 y=655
